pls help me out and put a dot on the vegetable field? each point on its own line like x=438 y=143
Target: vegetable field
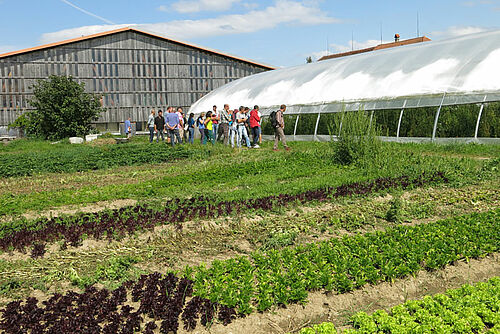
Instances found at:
x=141 y=238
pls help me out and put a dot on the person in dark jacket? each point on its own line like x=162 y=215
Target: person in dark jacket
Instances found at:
x=160 y=126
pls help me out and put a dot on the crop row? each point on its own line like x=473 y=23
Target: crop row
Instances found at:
x=21 y=234
x=279 y=277
x=160 y=298
x=240 y=286
x=470 y=309
x=85 y=158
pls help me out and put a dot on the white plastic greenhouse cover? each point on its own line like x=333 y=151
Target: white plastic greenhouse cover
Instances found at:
x=456 y=71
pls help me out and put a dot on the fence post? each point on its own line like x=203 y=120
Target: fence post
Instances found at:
x=400 y=118
x=295 y=128
x=437 y=118
x=316 y=127
x=479 y=118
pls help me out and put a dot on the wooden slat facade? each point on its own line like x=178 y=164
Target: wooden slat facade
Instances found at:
x=133 y=71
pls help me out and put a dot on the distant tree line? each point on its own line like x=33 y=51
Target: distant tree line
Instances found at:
x=454 y=121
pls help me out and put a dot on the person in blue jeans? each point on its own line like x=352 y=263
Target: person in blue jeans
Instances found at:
x=190 y=123
x=172 y=125
x=200 y=122
x=241 y=119
x=151 y=125
x=159 y=126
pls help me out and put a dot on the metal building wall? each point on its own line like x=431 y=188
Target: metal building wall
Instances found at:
x=134 y=72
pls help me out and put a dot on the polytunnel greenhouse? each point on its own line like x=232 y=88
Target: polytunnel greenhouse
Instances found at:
x=400 y=84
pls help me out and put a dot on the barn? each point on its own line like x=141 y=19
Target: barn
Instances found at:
x=133 y=70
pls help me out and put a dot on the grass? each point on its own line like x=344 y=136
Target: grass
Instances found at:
x=226 y=174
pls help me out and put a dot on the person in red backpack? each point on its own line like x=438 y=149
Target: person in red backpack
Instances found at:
x=255 y=125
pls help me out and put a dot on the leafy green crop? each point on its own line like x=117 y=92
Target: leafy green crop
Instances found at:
x=341 y=265
x=470 y=309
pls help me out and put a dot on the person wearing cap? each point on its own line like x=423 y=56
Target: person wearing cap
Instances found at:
x=255 y=125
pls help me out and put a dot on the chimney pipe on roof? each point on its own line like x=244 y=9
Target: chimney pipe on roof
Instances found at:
x=396 y=38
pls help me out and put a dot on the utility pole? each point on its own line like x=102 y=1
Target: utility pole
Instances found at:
x=418 y=26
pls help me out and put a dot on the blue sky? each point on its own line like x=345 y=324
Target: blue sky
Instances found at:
x=276 y=32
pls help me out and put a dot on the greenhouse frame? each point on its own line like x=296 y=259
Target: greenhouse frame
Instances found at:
x=458 y=71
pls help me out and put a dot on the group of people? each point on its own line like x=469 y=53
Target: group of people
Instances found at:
x=232 y=126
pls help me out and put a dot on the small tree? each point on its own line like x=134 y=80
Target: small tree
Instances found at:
x=309 y=60
x=62 y=109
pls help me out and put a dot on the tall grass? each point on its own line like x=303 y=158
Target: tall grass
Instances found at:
x=356 y=140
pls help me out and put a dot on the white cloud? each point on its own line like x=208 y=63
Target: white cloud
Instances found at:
x=61 y=35
x=194 y=6
x=282 y=12
x=455 y=31
x=338 y=48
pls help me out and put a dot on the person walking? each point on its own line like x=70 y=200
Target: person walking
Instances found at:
x=172 y=121
x=225 y=118
x=279 y=133
x=128 y=128
x=255 y=125
x=200 y=122
x=209 y=127
x=160 y=126
x=241 y=119
x=190 y=124
x=151 y=125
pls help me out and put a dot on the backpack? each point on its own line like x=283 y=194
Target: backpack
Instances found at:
x=274 y=121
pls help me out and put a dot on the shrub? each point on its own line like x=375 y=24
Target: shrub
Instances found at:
x=356 y=139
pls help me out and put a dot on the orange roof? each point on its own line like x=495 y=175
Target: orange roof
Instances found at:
x=378 y=47
x=111 y=32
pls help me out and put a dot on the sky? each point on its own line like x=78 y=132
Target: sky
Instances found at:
x=281 y=33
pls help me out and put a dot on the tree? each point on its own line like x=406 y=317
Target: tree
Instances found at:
x=309 y=60
x=62 y=109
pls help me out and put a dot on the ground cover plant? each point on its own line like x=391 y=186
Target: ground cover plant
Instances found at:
x=226 y=237
x=469 y=309
x=24 y=233
x=259 y=173
x=242 y=285
x=86 y=157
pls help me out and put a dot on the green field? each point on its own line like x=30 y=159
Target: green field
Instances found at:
x=253 y=230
